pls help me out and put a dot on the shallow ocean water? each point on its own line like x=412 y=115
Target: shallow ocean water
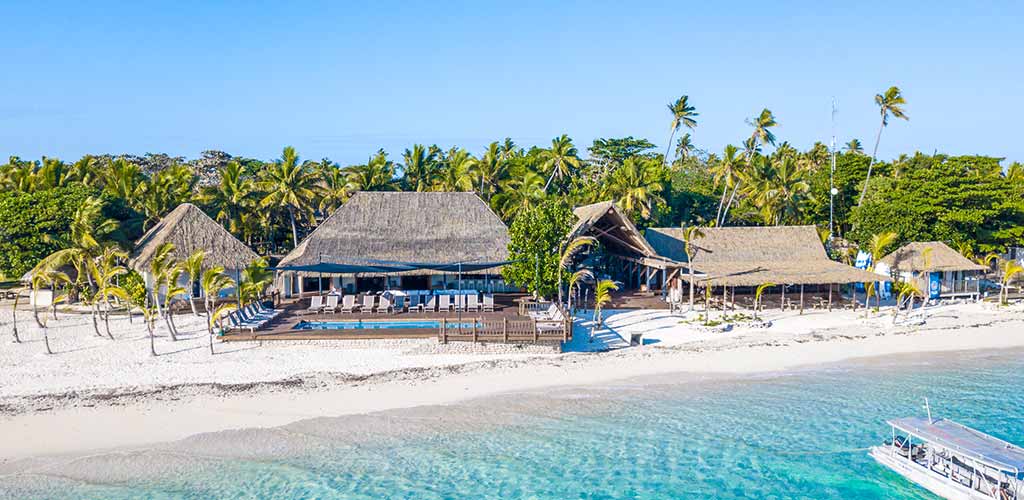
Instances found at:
x=796 y=434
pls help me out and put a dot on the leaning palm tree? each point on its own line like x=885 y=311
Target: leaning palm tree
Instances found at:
x=1011 y=269
x=905 y=293
x=889 y=103
x=725 y=173
x=877 y=247
x=602 y=295
x=575 y=281
x=757 y=296
x=255 y=279
x=14 y=315
x=691 y=234
x=559 y=158
x=567 y=253
x=160 y=268
x=214 y=281
x=215 y=318
x=683 y=115
x=106 y=269
x=193 y=267
x=174 y=290
x=290 y=186
x=762 y=134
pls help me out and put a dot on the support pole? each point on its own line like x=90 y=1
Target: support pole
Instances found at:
x=783 y=304
x=830 y=297
x=725 y=301
x=801 y=299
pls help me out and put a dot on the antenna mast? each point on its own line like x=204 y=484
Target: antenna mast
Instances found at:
x=831 y=180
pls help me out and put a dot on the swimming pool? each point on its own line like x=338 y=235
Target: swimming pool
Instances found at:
x=376 y=325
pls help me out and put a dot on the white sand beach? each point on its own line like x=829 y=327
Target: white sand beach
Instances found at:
x=95 y=393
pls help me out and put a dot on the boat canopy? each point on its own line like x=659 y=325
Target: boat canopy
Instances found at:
x=965 y=441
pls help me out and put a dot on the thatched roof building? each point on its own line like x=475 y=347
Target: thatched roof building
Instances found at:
x=190 y=229
x=432 y=227
x=911 y=257
x=751 y=256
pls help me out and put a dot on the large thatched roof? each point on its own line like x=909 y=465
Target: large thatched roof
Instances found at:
x=428 y=227
x=190 y=229
x=616 y=232
x=910 y=257
x=750 y=256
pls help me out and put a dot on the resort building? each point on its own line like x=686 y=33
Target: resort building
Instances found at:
x=631 y=260
x=935 y=269
x=190 y=229
x=401 y=240
x=748 y=257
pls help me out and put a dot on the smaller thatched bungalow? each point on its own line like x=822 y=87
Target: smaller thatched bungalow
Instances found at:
x=935 y=268
x=190 y=229
x=752 y=256
x=434 y=231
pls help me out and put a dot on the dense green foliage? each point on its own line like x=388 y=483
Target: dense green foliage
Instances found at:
x=34 y=224
x=536 y=236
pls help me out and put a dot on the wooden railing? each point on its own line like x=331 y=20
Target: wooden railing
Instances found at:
x=505 y=330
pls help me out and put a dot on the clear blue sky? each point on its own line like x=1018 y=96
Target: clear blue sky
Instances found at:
x=341 y=80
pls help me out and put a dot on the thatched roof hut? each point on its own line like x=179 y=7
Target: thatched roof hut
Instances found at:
x=617 y=233
x=911 y=258
x=190 y=229
x=751 y=256
x=432 y=227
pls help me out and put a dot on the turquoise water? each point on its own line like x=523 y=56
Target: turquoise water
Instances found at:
x=375 y=325
x=798 y=434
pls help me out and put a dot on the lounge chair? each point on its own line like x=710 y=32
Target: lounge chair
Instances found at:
x=332 y=303
x=414 y=302
x=348 y=304
x=368 y=300
x=546 y=314
x=460 y=302
x=269 y=312
x=488 y=303
x=472 y=302
x=384 y=305
x=431 y=304
x=444 y=303
x=316 y=304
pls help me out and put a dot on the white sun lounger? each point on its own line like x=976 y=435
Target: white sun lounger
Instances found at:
x=444 y=302
x=431 y=304
x=472 y=302
x=384 y=305
x=414 y=302
x=348 y=304
x=488 y=303
x=368 y=300
x=316 y=304
x=332 y=303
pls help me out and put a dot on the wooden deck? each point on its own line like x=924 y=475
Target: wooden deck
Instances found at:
x=505 y=324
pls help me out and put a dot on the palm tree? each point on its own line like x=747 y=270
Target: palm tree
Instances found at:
x=231 y=197
x=891 y=102
x=334 y=189
x=906 y=291
x=602 y=295
x=683 y=115
x=174 y=290
x=106 y=269
x=457 y=175
x=567 y=253
x=1010 y=270
x=255 y=279
x=725 y=172
x=490 y=169
x=854 y=147
x=559 y=158
x=757 y=296
x=419 y=168
x=684 y=147
x=519 y=193
x=877 y=247
x=691 y=234
x=160 y=269
x=215 y=317
x=575 y=281
x=761 y=134
x=290 y=186
x=637 y=185
x=377 y=174
x=14 y=315
x=193 y=266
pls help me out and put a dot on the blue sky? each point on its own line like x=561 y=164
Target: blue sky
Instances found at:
x=341 y=80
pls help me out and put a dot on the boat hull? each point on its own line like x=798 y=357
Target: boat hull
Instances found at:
x=924 y=477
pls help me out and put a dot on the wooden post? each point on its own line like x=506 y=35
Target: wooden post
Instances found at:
x=783 y=304
x=801 y=299
x=444 y=331
x=504 y=329
x=725 y=301
x=536 y=332
x=853 y=293
x=830 y=297
x=732 y=304
x=474 y=331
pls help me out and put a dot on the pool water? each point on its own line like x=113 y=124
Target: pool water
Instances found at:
x=377 y=325
x=800 y=434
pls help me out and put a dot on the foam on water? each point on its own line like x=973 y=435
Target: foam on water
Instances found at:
x=796 y=434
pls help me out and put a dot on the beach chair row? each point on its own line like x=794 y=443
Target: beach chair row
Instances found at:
x=252 y=317
x=410 y=303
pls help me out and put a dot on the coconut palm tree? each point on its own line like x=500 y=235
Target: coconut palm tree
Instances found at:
x=567 y=252
x=559 y=158
x=519 y=193
x=575 y=281
x=691 y=234
x=637 y=185
x=377 y=174
x=490 y=170
x=334 y=189
x=684 y=147
x=255 y=279
x=854 y=147
x=1011 y=269
x=757 y=296
x=602 y=295
x=419 y=168
x=457 y=172
x=14 y=315
x=106 y=269
x=683 y=115
x=173 y=291
x=193 y=267
x=763 y=124
x=232 y=196
x=160 y=269
x=877 y=247
x=215 y=317
x=725 y=172
x=889 y=103
x=289 y=186
x=905 y=293
x=214 y=281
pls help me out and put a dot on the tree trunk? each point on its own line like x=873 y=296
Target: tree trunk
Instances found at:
x=295 y=229
x=192 y=303
x=551 y=178
x=732 y=197
x=35 y=310
x=209 y=329
x=691 y=285
x=152 y=341
x=170 y=326
x=94 y=311
x=721 y=202
x=14 y=317
x=106 y=319
x=874 y=153
x=669 y=147
x=46 y=340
